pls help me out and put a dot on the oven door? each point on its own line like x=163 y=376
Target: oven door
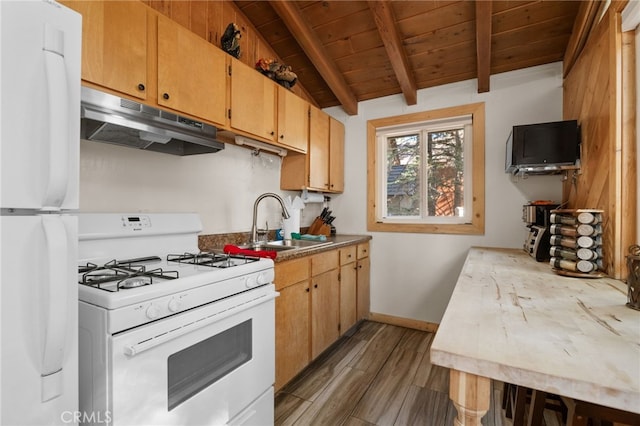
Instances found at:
x=200 y=367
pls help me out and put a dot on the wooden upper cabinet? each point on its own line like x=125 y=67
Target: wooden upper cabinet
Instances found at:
x=318 y=154
x=191 y=73
x=114 y=45
x=293 y=121
x=336 y=155
x=322 y=169
x=253 y=102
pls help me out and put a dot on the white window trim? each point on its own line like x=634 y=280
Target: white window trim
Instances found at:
x=423 y=129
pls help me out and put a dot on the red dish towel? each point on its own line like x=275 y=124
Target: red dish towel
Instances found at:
x=231 y=249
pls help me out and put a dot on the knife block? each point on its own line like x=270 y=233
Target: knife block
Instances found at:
x=318 y=227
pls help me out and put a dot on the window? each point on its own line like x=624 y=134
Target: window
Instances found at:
x=426 y=172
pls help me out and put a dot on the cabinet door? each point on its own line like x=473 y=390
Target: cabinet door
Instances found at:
x=293 y=121
x=318 y=149
x=336 y=155
x=253 y=102
x=363 y=276
x=191 y=73
x=114 y=45
x=348 y=297
x=325 y=311
x=292 y=332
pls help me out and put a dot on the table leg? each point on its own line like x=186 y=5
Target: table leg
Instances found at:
x=470 y=395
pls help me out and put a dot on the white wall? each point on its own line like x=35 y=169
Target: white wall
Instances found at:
x=221 y=187
x=413 y=275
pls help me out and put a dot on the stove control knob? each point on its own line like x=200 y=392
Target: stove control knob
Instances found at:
x=152 y=312
x=251 y=281
x=263 y=278
x=174 y=305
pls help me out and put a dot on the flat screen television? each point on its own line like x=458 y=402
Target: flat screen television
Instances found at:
x=543 y=148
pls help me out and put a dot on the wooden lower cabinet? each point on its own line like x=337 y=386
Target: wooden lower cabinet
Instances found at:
x=292 y=331
x=320 y=299
x=363 y=273
x=325 y=308
x=348 y=288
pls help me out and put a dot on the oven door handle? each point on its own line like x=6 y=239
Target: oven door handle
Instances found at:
x=137 y=348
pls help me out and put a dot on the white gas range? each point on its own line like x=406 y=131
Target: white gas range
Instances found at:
x=169 y=335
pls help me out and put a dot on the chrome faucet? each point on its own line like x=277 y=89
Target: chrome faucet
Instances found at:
x=254 y=229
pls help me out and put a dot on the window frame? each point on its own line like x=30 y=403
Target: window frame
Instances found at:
x=374 y=178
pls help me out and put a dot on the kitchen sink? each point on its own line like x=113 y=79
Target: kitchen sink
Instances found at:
x=282 y=245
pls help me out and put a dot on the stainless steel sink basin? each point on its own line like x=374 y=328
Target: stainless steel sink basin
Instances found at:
x=281 y=245
x=263 y=246
x=298 y=243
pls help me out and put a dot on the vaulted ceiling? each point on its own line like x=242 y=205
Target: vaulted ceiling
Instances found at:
x=349 y=51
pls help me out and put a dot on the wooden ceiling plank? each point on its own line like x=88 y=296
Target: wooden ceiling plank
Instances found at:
x=312 y=46
x=483 y=44
x=383 y=17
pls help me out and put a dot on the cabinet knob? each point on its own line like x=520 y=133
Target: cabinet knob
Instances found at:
x=281 y=136
x=141 y=87
x=307 y=290
x=165 y=96
x=315 y=286
x=272 y=133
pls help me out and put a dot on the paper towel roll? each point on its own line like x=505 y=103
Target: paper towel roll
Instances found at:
x=309 y=197
x=292 y=224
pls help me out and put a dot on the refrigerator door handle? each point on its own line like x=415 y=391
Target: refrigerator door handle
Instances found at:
x=58 y=112
x=56 y=282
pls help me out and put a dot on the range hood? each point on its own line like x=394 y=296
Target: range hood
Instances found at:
x=111 y=119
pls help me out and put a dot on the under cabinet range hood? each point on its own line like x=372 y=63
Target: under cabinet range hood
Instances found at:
x=111 y=119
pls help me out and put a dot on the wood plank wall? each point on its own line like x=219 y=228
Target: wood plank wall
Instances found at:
x=209 y=19
x=593 y=94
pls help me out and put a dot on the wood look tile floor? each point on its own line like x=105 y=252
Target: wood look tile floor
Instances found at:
x=380 y=375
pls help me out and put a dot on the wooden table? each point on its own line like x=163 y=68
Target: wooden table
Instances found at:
x=513 y=319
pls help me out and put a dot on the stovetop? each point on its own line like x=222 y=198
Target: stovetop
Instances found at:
x=137 y=261
x=128 y=274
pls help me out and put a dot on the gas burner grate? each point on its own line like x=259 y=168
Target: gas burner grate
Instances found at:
x=125 y=274
x=214 y=260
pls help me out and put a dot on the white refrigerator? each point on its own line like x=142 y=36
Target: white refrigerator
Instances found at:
x=39 y=159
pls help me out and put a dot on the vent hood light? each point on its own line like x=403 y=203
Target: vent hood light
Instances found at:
x=152 y=137
x=111 y=119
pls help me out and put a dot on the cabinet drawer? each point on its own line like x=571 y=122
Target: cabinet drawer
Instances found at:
x=347 y=255
x=363 y=250
x=324 y=262
x=291 y=272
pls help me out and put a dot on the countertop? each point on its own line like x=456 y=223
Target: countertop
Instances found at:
x=513 y=319
x=337 y=241
x=216 y=242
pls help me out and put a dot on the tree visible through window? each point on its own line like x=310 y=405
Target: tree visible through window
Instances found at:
x=403 y=175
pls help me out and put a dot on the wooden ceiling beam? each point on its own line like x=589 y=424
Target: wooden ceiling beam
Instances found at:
x=312 y=46
x=585 y=21
x=385 y=21
x=483 y=44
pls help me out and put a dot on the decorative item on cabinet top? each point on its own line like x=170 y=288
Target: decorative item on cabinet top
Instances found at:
x=230 y=40
x=280 y=73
